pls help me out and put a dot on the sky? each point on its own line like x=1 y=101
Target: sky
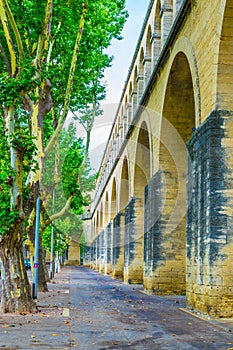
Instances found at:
x=123 y=50
x=115 y=76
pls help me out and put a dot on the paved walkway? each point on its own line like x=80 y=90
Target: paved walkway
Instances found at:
x=87 y=310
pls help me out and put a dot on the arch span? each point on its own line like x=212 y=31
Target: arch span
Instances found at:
x=166 y=247
x=183 y=46
x=134 y=214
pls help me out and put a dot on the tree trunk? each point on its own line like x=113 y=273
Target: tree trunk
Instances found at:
x=46 y=269
x=42 y=284
x=16 y=290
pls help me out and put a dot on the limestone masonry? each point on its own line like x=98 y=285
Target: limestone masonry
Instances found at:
x=163 y=208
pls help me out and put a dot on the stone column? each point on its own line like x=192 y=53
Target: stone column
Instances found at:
x=135 y=103
x=133 y=256
x=129 y=114
x=166 y=22
x=165 y=249
x=156 y=47
x=73 y=253
x=152 y=239
x=147 y=69
x=97 y=266
x=118 y=246
x=210 y=217
x=109 y=243
x=87 y=255
x=102 y=252
x=140 y=83
x=94 y=255
x=125 y=126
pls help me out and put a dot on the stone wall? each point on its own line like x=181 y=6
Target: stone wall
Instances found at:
x=209 y=217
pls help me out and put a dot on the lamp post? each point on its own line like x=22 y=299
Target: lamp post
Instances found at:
x=36 y=252
x=52 y=253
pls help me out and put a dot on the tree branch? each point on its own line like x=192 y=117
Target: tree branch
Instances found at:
x=5 y=59
x=43 y=43
x=70 y=78
x=8 y=37
x=15 y=29
x=60 y=213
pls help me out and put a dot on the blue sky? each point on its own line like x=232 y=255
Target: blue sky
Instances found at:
x=115 y=76
x=123 y=50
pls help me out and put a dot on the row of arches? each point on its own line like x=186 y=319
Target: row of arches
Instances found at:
x=148 y=227
x=128 y=212
x=156 y=31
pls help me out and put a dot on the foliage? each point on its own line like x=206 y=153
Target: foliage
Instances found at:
x=82 y=244
x=51 y=61
x=34 y=72
x=7 y=216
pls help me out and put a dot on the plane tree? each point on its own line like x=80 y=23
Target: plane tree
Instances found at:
x=52 y=58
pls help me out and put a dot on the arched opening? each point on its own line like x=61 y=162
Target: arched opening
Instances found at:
x=166 y=14
x=101 y=217
x=147 y=58
x=225 y=67
x=141 y=62
x=134 y=215
x=93 y=252
x=113 y=200
x=157 y=27
x=106 y=212
x=96 y=242
x=142 y=163
x=135 y=91
x=140 y=77
x=124 y=190
x=125 y=116
x=94 y=228
x=178 y=121
x=101 y=241
x=156 y=36
x=130 y=105
x=148 y=42
x=97 y=223
x=107 y=238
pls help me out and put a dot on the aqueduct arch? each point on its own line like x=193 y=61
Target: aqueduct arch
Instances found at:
x=165 y=235
x=134 y=229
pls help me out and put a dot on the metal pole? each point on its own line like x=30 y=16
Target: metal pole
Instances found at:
x=52 y=253
x=36 y=252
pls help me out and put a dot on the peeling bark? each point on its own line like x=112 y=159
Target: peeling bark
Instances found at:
x=16 y=289
x=42 y=284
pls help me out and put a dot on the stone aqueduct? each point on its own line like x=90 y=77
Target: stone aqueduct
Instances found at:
x=163 y=208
